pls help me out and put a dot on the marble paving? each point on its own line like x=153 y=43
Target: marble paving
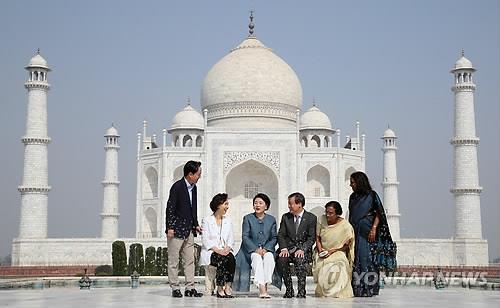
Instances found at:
x=160 y=296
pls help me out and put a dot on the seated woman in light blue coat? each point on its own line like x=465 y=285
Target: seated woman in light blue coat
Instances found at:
x=256 y=254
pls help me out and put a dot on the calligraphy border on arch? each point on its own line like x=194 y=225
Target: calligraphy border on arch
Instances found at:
x=270 y=158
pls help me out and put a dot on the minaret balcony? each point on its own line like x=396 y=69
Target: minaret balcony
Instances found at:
x=32 y=189
x=465 y=87
x=35 y=140
x=386 y=184
x=111 y=146
x=37 y=84
x=472 y=191
x=112 y=215
x=464 y=141
x=109 y=183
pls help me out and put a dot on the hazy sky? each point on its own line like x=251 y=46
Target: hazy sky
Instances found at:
x=379 y=62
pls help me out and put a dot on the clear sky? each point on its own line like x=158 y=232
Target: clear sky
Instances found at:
x=380 y=62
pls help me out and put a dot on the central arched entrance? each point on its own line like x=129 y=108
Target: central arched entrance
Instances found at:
x=242 y=183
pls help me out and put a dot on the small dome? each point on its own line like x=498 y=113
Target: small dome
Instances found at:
x=38 y=61
x=188 y=118
x=462 y=63
x=389 y=133
x=315 y=119
x=112 y=132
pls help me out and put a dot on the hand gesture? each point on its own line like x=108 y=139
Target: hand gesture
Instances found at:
x=199 y=229
x=372 y=234
x=260 y=251
x=299 y=253
x=284 y=253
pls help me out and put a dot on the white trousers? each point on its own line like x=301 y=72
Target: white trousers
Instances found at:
x=262 y=267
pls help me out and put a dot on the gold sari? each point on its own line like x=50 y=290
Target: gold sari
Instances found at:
x=333 y=274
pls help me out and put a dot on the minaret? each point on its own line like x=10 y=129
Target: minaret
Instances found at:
x=110 y=213
x=466 y=189
x=35 y=188
x=390 y=182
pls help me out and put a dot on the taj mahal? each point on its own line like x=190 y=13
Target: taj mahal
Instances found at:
x=252 y=134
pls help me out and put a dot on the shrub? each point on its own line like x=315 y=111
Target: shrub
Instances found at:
x=164 y=261
x=119 y=257
x=158 y=261
x=103 y=270
x=150 y=264
x=136 y=259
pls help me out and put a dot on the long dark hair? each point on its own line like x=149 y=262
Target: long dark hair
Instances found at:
x=362 y=183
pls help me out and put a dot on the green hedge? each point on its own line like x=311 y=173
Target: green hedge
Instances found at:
x=136 y=259
x=156 y=262
x=119 y=257
x=103 y=270
x=150 y=263
x=164 y=261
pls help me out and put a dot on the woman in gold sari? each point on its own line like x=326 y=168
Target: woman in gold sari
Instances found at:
x=332 y=269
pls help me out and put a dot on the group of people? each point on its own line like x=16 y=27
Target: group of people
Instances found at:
x=346 y=255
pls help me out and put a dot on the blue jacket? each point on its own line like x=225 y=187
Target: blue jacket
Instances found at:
x=255 y=233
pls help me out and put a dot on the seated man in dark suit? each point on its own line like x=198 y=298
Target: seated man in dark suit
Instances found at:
x=296 y=237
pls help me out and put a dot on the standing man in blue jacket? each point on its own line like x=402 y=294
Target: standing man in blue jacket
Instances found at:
x=181 y=227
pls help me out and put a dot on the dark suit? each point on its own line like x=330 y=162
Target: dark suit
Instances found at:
x=303 y=239
x=181 y=216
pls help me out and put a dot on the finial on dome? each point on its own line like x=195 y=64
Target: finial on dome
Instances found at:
x=314 y=102
x=463 y=53
x=38 y=51
x=251 y=25
x=189 y=100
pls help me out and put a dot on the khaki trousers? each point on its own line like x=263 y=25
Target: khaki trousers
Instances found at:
x=184 y=247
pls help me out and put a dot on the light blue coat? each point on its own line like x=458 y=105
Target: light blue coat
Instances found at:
x=255 y=233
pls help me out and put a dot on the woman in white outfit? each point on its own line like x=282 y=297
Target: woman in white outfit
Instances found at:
x=217 y=245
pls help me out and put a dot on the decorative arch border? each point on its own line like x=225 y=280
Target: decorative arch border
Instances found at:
x=312 y=164
x=151 y=170
x=270 y=159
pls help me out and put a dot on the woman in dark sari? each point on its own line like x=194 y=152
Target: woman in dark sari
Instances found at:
x=374 y=248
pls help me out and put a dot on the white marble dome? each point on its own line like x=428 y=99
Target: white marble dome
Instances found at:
x=188 y=118
x=389 y=133
x=112 y=132
x=462 y=63
x=251 y=81
x=315 y=119
x=38 y=61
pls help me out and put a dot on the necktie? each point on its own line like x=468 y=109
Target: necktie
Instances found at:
x=297 y=223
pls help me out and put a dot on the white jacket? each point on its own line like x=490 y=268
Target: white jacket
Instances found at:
x=215 y=236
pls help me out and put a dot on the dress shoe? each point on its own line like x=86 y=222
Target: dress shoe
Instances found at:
x=176 y=293
x=288 y=294
x=192 y=293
